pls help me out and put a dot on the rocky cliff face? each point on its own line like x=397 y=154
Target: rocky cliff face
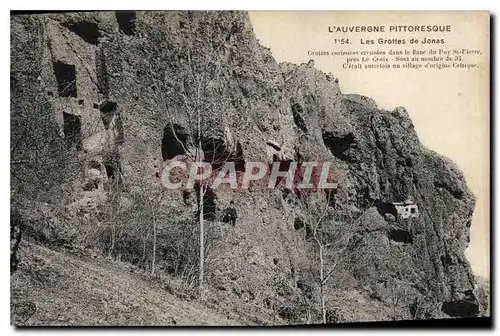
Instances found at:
x=117 y=84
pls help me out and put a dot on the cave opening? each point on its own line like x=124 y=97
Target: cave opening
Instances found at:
x=214 y=150
x=88 y=31
x=173 y=142
x=298 y=223
x=110 y=170
x=90 y=185
x=94 y=168
x=460 y=308
x=108 y=110
x=217 y=155
x=72 y=127
x=66 y=79
x=112 y=167
x=446 y=260
x=338 y=145
x=186 y=196
x=384 y=208
x=126 y=21
x=401 y=236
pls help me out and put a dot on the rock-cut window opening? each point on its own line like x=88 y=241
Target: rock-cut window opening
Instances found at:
x=66 y=79
x=72 y=130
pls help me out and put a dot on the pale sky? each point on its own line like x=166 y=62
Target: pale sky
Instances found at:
x=449 y=107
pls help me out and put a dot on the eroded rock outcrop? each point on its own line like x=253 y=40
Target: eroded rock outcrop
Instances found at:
x=120 y=85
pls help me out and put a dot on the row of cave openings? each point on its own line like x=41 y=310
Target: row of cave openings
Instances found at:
x=175 y=141
x=72 y=125
x=89 y=30
x=66 y=77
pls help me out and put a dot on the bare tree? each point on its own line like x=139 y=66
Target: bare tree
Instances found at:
x=147 y=210
x=330 y=236
x=195 y=97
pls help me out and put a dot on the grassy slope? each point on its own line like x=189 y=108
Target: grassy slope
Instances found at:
x=70 y=290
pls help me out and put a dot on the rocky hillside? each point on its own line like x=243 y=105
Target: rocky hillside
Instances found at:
x=106 y=98
x=95 y=291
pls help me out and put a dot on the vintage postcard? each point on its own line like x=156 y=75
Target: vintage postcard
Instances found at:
x=232 y=168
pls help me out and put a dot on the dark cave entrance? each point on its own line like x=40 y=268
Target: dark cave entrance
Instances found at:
x=72 y=130
x=460 y=308
x=230 y=215
x=217 y=154
x=298 y=223
x=214 y=150
x=66 y=79
x=126 y=21
x=173 y=141
x=94 y=165
x=108 y=110
x=401 y=236
x=110 y=171
x=386 y=208
x=88 y=31
x=338 y=145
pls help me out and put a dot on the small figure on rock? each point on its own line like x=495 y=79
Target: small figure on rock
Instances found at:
x=230 y=214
